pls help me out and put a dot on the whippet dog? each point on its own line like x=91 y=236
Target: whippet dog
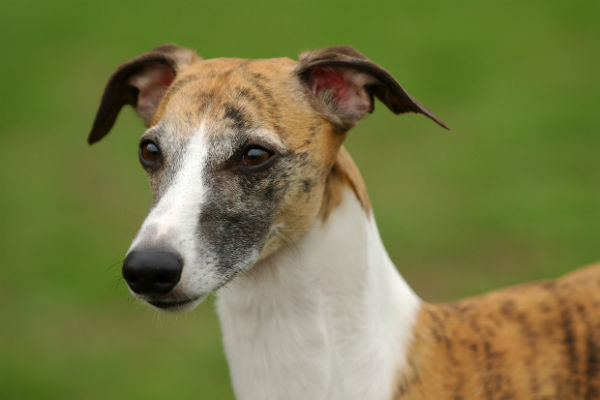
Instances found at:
x=255 y=198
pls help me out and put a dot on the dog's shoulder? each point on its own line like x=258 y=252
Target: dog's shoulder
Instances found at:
x=538 y=339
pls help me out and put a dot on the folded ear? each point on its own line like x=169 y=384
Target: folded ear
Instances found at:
x=342 y=83
x=140 y=82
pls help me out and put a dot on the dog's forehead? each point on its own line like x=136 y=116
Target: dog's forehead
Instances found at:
x=228 y=92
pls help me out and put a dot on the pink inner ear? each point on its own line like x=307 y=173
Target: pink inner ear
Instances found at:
x=329 y=79
x=346 y=87
x=153 y=78
x=152 y=83
x=167 y=76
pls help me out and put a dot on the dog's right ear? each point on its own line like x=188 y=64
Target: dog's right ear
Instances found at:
x=140 y=82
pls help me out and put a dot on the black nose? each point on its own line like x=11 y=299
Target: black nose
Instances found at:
x=152 y=272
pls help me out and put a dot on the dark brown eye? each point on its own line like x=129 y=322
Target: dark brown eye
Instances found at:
x=150 y=154
x=256 y=156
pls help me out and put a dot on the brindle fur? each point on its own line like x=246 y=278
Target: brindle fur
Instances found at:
x=536 y=341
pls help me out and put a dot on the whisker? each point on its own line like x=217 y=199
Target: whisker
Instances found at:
x=113 y=265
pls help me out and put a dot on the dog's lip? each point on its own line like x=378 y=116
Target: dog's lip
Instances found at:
x=171 y=305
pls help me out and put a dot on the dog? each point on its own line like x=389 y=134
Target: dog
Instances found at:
x=256 y=199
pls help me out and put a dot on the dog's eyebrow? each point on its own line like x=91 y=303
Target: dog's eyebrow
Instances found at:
x=267 y=136
x=156 y=130
x=238 y=116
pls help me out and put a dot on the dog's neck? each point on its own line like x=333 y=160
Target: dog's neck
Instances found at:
x=328 y=317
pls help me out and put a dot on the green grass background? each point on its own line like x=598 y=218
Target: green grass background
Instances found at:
x=511 y=194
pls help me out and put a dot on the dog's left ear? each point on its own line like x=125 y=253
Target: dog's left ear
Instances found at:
x=140 y=82
x=342 y=83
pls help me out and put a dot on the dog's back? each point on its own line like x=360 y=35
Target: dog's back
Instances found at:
x=533 y=341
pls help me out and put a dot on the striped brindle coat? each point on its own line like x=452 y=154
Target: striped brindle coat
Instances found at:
x=255 y=198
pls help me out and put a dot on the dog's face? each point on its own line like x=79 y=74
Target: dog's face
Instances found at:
x=235 y=175
x=238 y=155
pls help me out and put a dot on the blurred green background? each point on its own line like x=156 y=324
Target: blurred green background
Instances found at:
x=511 y=194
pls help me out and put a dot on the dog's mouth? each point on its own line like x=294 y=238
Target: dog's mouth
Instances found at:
x=174 y=305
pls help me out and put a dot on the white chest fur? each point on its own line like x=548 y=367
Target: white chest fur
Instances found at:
x=326 y=318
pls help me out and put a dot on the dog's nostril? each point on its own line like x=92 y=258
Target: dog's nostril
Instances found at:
x=152 y=272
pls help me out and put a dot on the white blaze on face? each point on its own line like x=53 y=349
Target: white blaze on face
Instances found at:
x=173 y=222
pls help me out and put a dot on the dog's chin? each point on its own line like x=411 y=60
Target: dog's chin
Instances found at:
x=179 y=301
x=175 y=305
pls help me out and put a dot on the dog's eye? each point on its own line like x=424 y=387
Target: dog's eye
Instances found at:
x=256 y=156
x=150 y=154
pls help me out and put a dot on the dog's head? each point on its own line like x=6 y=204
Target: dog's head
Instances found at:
x=239 y=155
